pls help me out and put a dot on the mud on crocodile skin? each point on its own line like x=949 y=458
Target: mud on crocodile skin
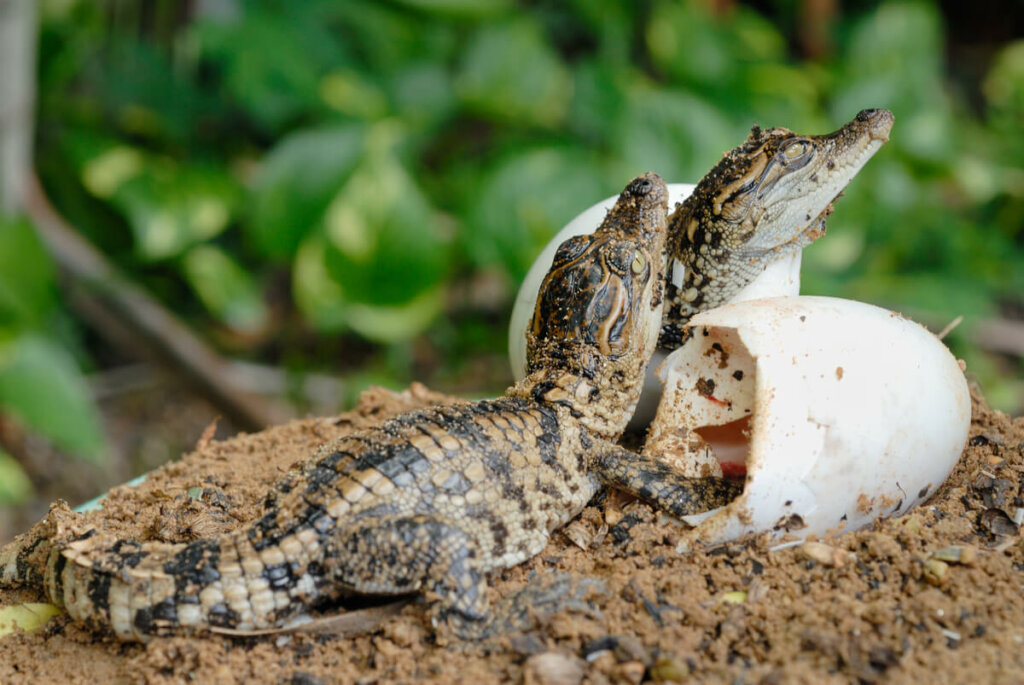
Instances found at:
x=428 y=502
x=768 y=197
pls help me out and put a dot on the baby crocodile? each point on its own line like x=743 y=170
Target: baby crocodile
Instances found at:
x=768 y=197
x=430 y=501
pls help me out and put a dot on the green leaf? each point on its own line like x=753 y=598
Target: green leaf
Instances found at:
x=1004 y=91
x=27 y=617
x=268 y=64
x=388 y=38
x=322 y=301
x=41 y=385
x=228 y=291
x=318 y=296
x=1004 y=83
x=384 y=241
x=15 y=487
x=782 y=94
x=510 y=73
x=598 y=98
x=296 y=181
x=171 y=207
x=396 y=323
x=104 y=173
x=27 y=276
x=349 y=92
x=711 y=52
x=674 y=132
x=524 y=201
x=150 y=96
x=459 y=8
x=423 y=93
x=686 y=41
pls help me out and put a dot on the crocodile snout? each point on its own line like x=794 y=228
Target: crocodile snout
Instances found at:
x=879 y=122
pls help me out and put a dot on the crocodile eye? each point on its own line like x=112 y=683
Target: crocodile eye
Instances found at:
x=795 y=150
x=638 y=264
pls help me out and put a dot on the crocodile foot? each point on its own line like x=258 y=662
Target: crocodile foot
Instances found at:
x=529 y=607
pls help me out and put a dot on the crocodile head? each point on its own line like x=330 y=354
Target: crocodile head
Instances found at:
x=598 y=312
x=769 y=196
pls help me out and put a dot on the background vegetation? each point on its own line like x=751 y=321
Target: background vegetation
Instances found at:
x=357 y=186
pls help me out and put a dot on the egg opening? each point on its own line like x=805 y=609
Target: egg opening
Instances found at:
x=833 y=413
x=705 y=429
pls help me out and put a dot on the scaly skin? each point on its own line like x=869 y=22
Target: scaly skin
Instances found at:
x=430 y=501
x=766 y=198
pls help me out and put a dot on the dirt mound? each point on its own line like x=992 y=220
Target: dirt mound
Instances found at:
x=935 y=596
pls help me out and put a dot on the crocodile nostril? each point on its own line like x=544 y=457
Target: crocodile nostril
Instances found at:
x=641 y=186
x=879 y=122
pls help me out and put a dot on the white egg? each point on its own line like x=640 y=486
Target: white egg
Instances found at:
x=781 y=277
x=838 y=411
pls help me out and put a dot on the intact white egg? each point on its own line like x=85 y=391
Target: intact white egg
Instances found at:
x=837 y=411
x=781 y=277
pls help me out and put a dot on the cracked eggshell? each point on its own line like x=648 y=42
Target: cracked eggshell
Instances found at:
x=841 y=412
x=781 y=277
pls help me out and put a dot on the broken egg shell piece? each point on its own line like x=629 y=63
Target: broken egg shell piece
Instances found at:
x=780 y=277
x=841 y=411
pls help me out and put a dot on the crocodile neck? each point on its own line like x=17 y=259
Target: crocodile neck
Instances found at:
x=601 y=404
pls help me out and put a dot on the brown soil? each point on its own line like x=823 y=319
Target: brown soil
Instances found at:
x=869 y=606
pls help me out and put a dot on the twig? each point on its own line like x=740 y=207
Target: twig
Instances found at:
x=319 y=390
x=1000 y=335
x=941 y=335
x=1005 y=336
x=130 y=318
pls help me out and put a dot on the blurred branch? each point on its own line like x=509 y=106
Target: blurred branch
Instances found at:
x=1002 y=336
x=17 y=95
x=816 y=20
x=131 y=319
x=320 y=391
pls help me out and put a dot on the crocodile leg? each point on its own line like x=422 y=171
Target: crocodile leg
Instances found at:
x=659 y=483
x=403 y=554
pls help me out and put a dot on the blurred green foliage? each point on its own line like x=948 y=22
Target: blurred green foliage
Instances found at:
x=338 y=166
x=40 y=382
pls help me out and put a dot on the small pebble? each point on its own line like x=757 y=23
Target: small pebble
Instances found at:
x=631 y=672
x=629 y=648
x=912 y=524
x=669 y=670
x=552 y=668
x=957 y=554
x=935 y=571
x=826 y=555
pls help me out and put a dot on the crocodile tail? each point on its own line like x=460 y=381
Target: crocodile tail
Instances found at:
x=24 y=561
x=139 y=590
x=29 y=560
x=242 y=581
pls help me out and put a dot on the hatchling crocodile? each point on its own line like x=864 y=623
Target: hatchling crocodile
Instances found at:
x=767 y=197
x=431 y=501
